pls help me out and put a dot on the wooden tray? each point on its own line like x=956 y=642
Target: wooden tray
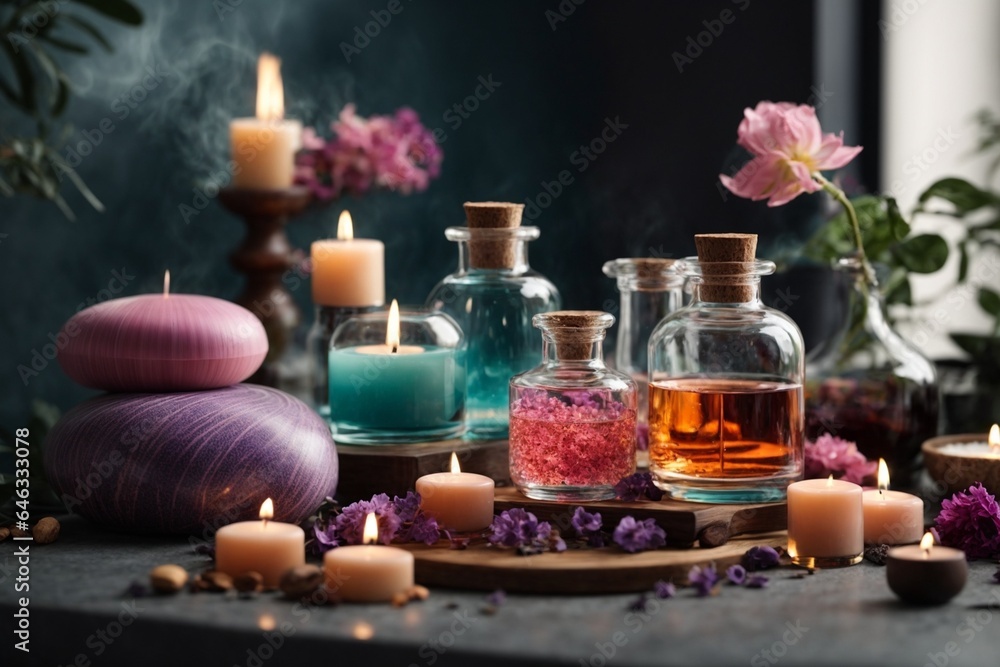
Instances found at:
x=578 y=571
x=684 y=523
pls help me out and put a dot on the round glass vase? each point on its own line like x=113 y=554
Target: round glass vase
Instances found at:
x=572 y=419
x=650 y=289
x=387 y=388
x=867 y=385
x=494 y=305
x=725 y=393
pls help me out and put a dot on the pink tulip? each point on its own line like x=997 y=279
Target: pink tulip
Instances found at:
x=789 y=149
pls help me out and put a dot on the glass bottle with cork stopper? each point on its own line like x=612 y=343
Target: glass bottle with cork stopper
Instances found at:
x=725 y=395
x=493 y=295
x=572 y=419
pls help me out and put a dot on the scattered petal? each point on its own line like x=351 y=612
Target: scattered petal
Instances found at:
x=760 y=558
x=736 y=574
x=633 y=536
x=703 y=579
x=664 y=589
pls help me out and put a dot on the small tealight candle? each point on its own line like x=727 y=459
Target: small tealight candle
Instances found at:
x=460 y=501
x=270 y=548
x=891 y=517
x=825 y=523
x=368 y=572
x=926 y=574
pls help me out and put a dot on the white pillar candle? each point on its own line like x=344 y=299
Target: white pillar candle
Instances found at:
x=891 y=517
x=269 y=548
x=263 y=148
x=825 y=523
x=368 y=572
x=460 y=501
x=348 y=272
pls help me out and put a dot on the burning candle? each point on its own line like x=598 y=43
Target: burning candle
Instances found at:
x=270 y=548
x=348 y=272
x=957 y=461
x=825 y=523
x=263 y=148
x=926 y=574
x=460 y=501
x=891 y=517
x=162 y=342
x=397 y=391
x=368 y=572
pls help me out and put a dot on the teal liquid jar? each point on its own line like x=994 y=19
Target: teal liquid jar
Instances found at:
x=397 y=377
x=493 y=296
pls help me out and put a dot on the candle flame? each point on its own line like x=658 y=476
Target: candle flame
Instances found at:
x=883 y=476
x=345 y=226
x=166 y=283
x=926 y=543
x=370 y=534
x=994 y=439
x=270 y=91
x=829 y=481
x=392 y=328
x=455 y=468
x=267 y=510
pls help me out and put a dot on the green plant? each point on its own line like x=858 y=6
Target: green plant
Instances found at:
x=33 y=33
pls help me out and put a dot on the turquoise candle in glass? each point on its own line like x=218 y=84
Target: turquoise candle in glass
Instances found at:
x=397 y=376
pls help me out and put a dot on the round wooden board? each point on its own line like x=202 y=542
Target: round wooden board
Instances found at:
x=577 y=571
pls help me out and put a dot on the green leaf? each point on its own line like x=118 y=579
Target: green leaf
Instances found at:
x=88 y=28
x=119 y=10
x=964 y=196
x=897 y=223
x=963 y=262
x=924 y=253
x=989 y=301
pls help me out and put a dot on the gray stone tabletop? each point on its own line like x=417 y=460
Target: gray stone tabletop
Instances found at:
x=79 y=614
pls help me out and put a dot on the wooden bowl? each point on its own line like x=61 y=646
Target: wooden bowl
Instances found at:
x=958 y=473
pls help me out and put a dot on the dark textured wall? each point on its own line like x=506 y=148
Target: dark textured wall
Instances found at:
x=560 y=80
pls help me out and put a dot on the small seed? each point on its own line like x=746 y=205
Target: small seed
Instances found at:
x=300 y=581
x=249 y=582
x=168 y=578
x=400 y=599
x=419 y=593
x=216 y=582
x=46 y=531
x=17 y=532
x=4 y=533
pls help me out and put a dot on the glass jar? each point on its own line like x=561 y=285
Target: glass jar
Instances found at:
x=317 y=344
x=493 y=303
x=572 y=419
x=397 y=376
x=725 y=393
x=868 y=385
x=650 y=289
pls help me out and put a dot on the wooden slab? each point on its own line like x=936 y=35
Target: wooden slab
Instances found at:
x=579 y=571
x=393 y=469
x=684 y=522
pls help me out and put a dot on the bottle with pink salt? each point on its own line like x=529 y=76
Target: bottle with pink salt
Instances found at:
x=572 y=419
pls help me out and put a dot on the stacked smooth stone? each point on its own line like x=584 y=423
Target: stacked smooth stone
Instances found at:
x=178 y=445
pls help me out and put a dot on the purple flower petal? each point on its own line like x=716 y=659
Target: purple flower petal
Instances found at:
x=633 y=536
x=703 y=579
x=970 y=521
x=497 y=597
x=760 y=558
x=736 y=574
x=637 y=486
x=664 y=589
x=756 y=581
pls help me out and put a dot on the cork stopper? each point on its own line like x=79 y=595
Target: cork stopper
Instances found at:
x=574 y=331
x=726 y=261
x=487 y=251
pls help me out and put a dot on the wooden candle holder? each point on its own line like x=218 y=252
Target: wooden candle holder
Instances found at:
x=264 y=257
x=393 y=469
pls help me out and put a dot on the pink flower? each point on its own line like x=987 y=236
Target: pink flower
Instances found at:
x=788 y=147
x=970 y=521
x=830 y=455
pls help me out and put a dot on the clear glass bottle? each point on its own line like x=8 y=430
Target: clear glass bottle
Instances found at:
x=493 y=296
x=650 y=289
x=868 y=385
x=572 y=419
x=725 y=393
x=317 y=344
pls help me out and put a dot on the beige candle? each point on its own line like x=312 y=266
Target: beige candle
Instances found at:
x=825 y=523
x=263 y=148
x=368 y=572
x=460 y=501
x=270 y=548
x=891 y=517
x=348 y=272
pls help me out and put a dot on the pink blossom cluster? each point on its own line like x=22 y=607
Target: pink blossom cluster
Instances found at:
x=380 y=152
x=830 y=455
